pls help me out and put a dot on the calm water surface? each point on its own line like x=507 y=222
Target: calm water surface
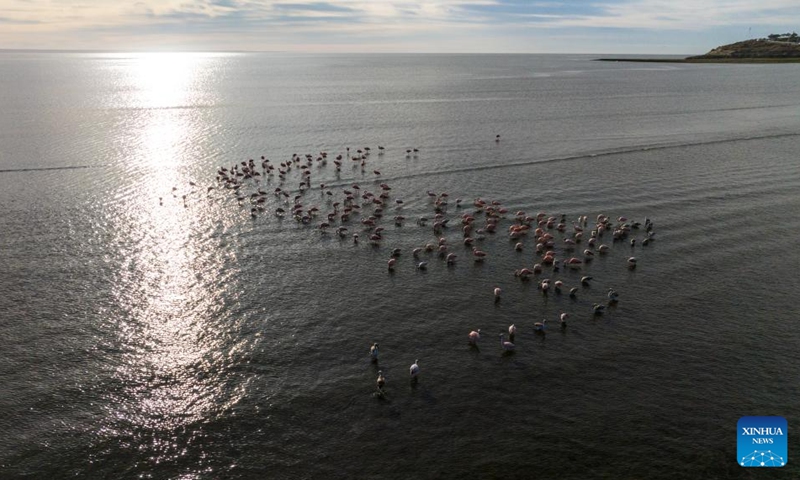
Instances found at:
x=148 y=335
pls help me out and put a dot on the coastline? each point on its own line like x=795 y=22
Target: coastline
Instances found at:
x=703 y=60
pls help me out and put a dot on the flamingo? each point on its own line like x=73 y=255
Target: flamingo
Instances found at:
x=612 y=295
x=598 y=309
x=512 y=330
x=451 y=258
x=380 y=380
x=574 y=262
x=585 y=280
x=422 y=265
x=539 y=327
x=507 y=346
x=632 y=263
x=391 y=263
x=563 y=319
x=523 y=273
x=474 y=336
x=478 y=254
x=497 y=292
x=573 y=292
x=414 y=370
x=373 y=352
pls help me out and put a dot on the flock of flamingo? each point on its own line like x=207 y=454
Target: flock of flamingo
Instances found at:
x=358 y=212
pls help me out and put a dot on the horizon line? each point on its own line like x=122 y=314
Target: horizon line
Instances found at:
x=293 y=52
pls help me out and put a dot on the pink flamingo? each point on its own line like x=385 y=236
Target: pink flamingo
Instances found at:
x=574 y=262
x=474 y=336
x=506 y=346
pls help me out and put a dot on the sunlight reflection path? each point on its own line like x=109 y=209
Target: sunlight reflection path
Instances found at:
x=177 y=351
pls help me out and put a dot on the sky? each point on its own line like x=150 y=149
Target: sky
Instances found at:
x=384 y=26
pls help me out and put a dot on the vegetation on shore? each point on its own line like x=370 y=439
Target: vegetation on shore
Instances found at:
x=776 y=48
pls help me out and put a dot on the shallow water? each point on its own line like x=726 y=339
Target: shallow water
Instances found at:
x=188 y=340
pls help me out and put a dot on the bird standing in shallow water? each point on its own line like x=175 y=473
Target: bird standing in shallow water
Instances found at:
x=414 y=370
x=373 y=352
x=380 y=382
x=539 y=327
x=598 y=309
x=506 y=346
x=474 y=336
x=612 y=296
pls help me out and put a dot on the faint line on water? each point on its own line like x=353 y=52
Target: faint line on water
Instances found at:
x=622 y=151
x=38 y=169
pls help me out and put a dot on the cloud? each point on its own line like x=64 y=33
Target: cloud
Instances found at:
x=686 y=14
x=262 y=24
x=17 y=21
x=312 y=7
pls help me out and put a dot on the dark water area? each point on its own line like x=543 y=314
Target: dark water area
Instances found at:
x=155 y=329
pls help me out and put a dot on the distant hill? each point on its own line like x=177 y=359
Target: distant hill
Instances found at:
x=755 y=49
x=777 y=48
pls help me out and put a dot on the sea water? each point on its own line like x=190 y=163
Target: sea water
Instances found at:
x=154 y=328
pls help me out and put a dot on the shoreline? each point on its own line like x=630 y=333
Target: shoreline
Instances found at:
x=703 y=60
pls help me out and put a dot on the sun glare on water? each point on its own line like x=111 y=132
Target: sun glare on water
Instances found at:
x=165 y=79
x=168 y=288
